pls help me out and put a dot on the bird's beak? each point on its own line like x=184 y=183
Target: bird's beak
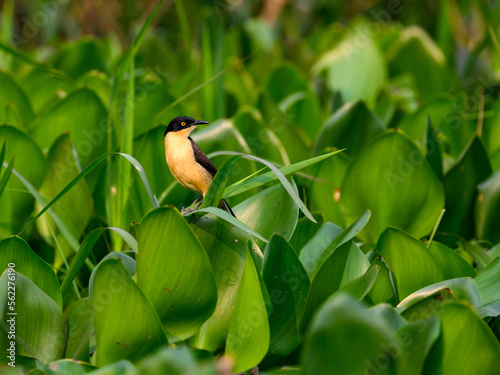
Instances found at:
x=200 y=122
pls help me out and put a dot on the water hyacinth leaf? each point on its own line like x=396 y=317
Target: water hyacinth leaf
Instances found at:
x=470 y=169
x=411 y=264
x=302 y=109
x=68 y=366
x=352 y=126
x=6 y=175
x=281 y=217
x=248 y=337
x=116 y=302
x=285 y=80
x=39 y=324
x=287 y=284
x=168 y=253
x=487 y=208
x=314 y=248
x=305 y=230
x=218 y=184
x=488 y=282
x=326 y=351
x=407 y=193
x=344 y=265
x=467 y=345
x=15 y=107
x=324 y=192
x=80 y=328
x=357 y=73
x=15 y=250
x=433 y=151
x=129 y=264
x=16 y=204
x=83 y=115
x=452 y=264
x=226 y=248
x=418 y=305
x=75 y=207
x=362 y=285
x=383 y=289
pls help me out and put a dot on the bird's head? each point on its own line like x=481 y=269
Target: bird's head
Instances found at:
x=183 y=123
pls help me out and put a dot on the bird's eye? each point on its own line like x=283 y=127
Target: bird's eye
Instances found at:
x=183 y=123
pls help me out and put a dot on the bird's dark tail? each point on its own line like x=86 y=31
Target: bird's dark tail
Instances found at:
x=227 y=207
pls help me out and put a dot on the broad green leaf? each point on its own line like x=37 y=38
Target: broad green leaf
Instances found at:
x=405 y=193
x=81 y=114
x=174 y=272
x=305 y=230
x=432 y=149
x=416 y=53
x=415 y=342
x=280 y=217
x=487 y=208
x=352 y=126
x=362 y=285
x=117 y=301
x=6 y=175
x=39 y=323
x=129 y=264
x=452 y=264
x=80 y=328
x=285 y=80
x=471 y=168
x=98 y=82
x=326 y=350
x=82 y=56
x=356 y=69
x=45 y=88
x=312 y=250
x=261 y=140
x=68 y=366
x=226 y=248
x=488 y=282
x=302 y=108
x=15 y=107
x=84 y=251
x=15 y=250
x=426 y=301
x=75 y=208
x=172 y=361
x=346 y=263
x=287 y=284
x=383 y=289
x=16 y=204
x=411 y=264
x=218 y=184
x=248 y=337
x=324 y=192
x=466 y=345
x=491 y=130
x=118 y=368
x=265 y=178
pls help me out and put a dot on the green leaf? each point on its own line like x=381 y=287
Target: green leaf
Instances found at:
x=362 y=285
x=129 y=264
x=487 y=208
x=411 y=264
x=265 y=178
x=39 y=323
x=352 y=126
x=218 y=184
x=383 y=289
x=466 y=344
x=16 y=204
x=174 y=272
x=15 y=107
x=281 y=217
x=305 y=230
x=6 y=175
x=312 y=250
x=471 y=168
x=488 y=282
x=285 y=80
x=426 y=301
x=248 y=337
x=407 y=193
x=326 y=350
x=302 y=108
x=344 y=265
x=80 y=328
x=15 y=250
x=452 y=264
x=117 y=301
x=226 y=248
x=357 y=70
x=287 y=284
x=433 y=151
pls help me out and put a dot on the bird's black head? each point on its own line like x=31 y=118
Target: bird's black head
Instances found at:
x=183 y=122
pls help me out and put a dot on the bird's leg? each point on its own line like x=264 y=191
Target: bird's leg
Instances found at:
x=188 y=210
x=199 y=204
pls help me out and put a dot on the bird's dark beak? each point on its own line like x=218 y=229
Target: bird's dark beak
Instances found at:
x=200 y=122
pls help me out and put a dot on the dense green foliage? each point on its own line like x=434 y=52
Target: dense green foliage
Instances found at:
x=358 y=146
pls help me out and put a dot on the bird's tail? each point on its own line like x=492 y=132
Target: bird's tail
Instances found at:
x=227 y=207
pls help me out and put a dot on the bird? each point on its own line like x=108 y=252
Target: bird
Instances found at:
x=187 y=163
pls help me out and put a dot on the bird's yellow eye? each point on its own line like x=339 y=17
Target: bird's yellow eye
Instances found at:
x=183 y=123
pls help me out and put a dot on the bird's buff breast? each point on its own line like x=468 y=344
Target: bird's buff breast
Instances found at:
x=182 y=163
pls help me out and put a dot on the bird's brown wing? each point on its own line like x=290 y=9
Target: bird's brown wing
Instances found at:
x=202 y=159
